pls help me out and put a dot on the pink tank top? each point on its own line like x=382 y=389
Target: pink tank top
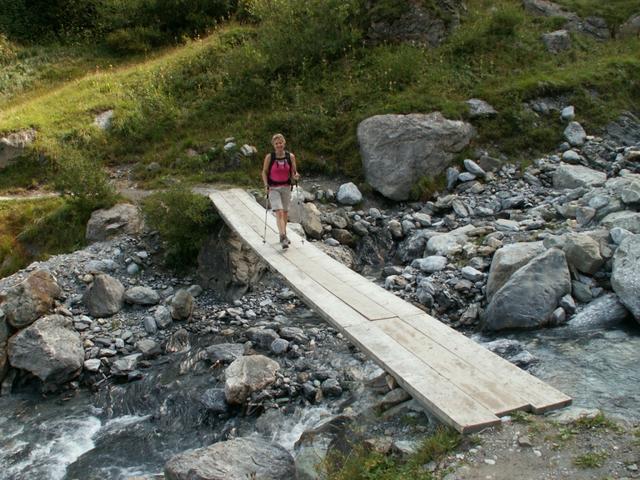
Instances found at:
x=280 y=171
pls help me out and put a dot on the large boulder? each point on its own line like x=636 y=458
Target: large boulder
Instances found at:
x=104 y=297
x=397 y=150
x=625 y=275
x=27 y=301
x=237 y=459
x=49 y=348
x=530 y=296
x=508 y=260
x=13 y=146
x=227 y=265
x=108 y=223
x=248 y=374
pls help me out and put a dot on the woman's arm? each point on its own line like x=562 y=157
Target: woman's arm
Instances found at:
x=294 y=168
x=265 y=170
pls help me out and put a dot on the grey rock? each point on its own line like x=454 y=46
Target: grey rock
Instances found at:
x=625 y=275
x=224 y=352
x=576 y=176
x=279 y=346
x=263 y=337
x=237 y=459
x=575 y=134
x=104 y=297
x=49 y=348
x=28 y=300
x=602 y=313
x=348 y=194
x=181 y=305
x=107 y=223
x=558 y=41
x=568 y=113
x=398 y=149
x=141 y=296
x=13 y=146
x=150 y=325
x=248 y=374
x=626 y=220
x=162 y=317
x=531 y=294
x=480 y=109
x=583 y=252
x=431 y=264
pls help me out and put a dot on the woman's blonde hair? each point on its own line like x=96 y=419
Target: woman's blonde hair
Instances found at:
x=278 y=136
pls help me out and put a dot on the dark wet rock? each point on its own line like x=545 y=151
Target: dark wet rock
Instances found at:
x=214 y=400
x=224 y=352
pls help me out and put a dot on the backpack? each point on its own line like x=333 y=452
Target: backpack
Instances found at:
x=287 y=157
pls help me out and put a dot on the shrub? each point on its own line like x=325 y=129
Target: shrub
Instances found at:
x=183 y=220
x=294 y=33
x=83 y=184
x=132 y=40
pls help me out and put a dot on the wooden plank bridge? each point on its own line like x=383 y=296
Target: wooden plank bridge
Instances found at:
x=459 y=381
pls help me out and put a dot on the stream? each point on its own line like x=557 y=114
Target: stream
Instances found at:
x=132 y=429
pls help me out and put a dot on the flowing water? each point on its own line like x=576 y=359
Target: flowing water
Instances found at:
x=132 y=429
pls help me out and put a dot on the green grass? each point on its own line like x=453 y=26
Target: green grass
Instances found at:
x=17 y=217
x=591 y=460
x=361 y=464
x=225 y=85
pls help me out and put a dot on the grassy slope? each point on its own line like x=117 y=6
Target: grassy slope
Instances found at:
x=194 y=96
x=197 y=95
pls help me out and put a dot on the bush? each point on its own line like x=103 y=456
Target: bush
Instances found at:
x=35 y=20
x=183 y=220
x=133 y=40
x=295 y=33
x=83 y=184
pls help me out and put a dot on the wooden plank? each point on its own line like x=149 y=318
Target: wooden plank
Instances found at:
x=331 y=308
x=444 y=399
x=541 y=396
x=476 y=383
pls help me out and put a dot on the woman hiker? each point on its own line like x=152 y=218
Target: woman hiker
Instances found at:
x=278 y=172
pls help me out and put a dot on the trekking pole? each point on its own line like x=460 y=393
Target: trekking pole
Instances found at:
x=299 y=207
x=266 y=211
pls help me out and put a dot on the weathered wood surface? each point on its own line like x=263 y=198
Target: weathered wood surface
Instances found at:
x=459 y=381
